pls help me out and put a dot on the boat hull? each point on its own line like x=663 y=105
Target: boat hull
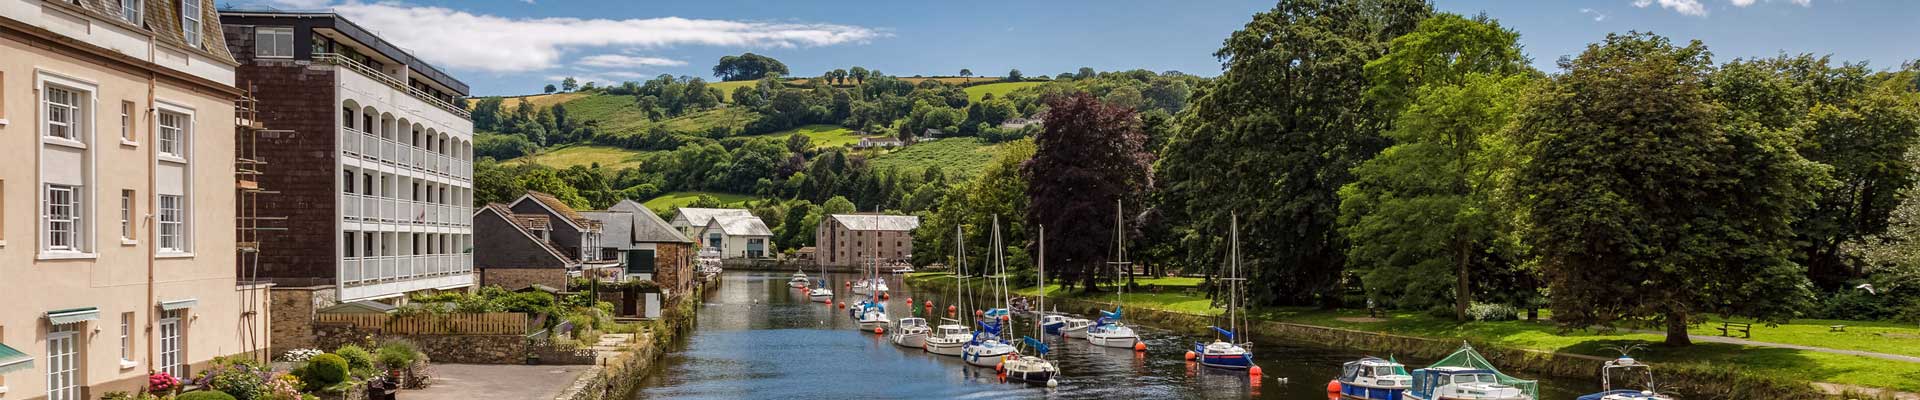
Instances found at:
x=911 y=340
x=1227 y=361
x=1080 y=333
x=945 y=349
x=1053 y=328
x=987 y=359
x=1117 y=341
x=1353 y=391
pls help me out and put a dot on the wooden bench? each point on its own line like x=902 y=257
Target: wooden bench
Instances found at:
x=1727 y=328
x=1836 y=328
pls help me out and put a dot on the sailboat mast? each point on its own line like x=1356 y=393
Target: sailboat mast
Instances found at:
x=960 y=274
x=1040 y=310
x=1233 y=271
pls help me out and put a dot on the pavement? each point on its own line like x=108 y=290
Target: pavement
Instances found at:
x=475 y=382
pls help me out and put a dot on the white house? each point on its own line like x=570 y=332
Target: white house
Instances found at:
x=738 y=236
x=690 y=221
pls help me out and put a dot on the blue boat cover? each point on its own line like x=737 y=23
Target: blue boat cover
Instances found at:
x=1038 y=345
x=1223 y=332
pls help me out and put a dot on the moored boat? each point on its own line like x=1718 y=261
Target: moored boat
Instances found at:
x=910 y=332
x=799 y=280
x=948 y=339
x=1465 y=375
x=1108 y=331
x=1051 y=323
x=1075 y=328
x=1628 y=368
x=1231 y=353
x=1035 y=368
x=1372 y=378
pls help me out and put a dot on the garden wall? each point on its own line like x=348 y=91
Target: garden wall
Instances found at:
x=455 y=349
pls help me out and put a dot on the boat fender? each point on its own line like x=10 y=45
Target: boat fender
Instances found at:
x=878 y=330
x=1255 y=371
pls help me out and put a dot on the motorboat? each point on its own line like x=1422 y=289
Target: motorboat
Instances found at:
x=948 y=338
x=870 y=314
x=1110 y=332
x=1051 y=323
x=821 y=293
x=1628 y=368
x=1075 y=328
x=987 y=349
x=1372 y=378
x=910 y=332
x=1462 y=383
x=799 y=280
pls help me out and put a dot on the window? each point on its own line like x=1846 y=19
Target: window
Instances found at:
x=273 y=42
x=126 y=121
x=172 y=224
x=63 y=113
x=62 y=362
x=347 y=242
x=170 y=343
x=126 y=215
x=130 y=10
x=62 y=216
x=173 y=134
x=190 y=24
x=320 y=45
x=126 y=337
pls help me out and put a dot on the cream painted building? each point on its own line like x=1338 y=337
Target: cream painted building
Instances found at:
x=117 y=197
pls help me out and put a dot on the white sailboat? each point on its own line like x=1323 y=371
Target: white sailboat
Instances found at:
x=1108 y=331
x=952 y=334
x=1035 y=368
x=989 y=347
x=821 y=292
x=1231 y=353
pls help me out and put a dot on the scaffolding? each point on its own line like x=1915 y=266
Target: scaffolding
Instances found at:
x=248 y=167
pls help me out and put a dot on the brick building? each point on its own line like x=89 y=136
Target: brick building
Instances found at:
x=374 y=175
x=849 y=239
x=646 y=246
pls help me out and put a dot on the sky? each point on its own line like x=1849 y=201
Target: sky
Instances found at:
x=510 y=47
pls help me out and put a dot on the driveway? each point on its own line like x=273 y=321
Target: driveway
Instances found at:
x=475 y=382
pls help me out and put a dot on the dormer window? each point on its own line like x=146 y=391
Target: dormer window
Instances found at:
x=190 y=22
x=130 y=10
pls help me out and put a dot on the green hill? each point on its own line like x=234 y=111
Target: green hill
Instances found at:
x=824 y=136
x=584 y=155
x=976 y=92
x=961 y=156
x=668 y=202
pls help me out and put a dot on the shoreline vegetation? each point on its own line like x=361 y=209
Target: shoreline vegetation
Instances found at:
x=1704 y=370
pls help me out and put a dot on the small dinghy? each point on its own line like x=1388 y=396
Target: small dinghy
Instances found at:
x=1372 y=378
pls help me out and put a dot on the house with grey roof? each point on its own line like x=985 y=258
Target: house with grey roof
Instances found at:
x=854 y=239
x=738 y=236
x=646 y=246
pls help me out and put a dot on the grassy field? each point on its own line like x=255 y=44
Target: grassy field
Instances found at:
x=619 y=114
x=962 y=156
x=1799 y=364
x=584 y=155
x=976 y=92
x=824 y=136
x=668 y=202
x=726 y=88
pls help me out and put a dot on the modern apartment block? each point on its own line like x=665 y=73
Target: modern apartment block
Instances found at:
x=376 y=184
x=117 y=197
x=851 y=239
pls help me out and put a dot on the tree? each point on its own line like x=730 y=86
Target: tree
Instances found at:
x=838 y=205
x=858 y=74
x=1013 y=75
x=1646 y=204
x=1424 y=212
x=550 y=88
x=748 y=66
x=1089 y=158
x=1085 y=73
x=547 y=181
x=569 y=84
x=966 y=73
x=1275 y=136
x=839 y=76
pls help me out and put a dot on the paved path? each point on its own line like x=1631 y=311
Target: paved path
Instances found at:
x=474 y=382
x=1756 y=343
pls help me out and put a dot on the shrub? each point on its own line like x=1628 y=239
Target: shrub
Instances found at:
x=284 y=387
x=397 y=354
x=323 y=371
x=300 y=355
x=1859 y=305
x=240 y=377
x=1492 y=312
x=161 y=382
x=359 y=360
x=205 y=395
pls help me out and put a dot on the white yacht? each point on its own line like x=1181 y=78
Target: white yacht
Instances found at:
x=910 y=332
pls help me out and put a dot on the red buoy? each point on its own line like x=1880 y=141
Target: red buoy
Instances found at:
x=978 y=313
x=843 y=304
x=884 y=296
x=1140 y=346
x=1333 y=386
x=1189 y=355
x=878 y=330
x=1255 y=371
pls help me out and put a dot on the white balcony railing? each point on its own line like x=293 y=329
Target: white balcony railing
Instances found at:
x=369 y=147
x=376 y=269
x=389 y=80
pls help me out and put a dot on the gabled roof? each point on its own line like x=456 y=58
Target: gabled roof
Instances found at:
x=615 y=227
x=700 y=216
x=162 y=19
x=648 y=225
x=560 y=208
x=740 y=225
x=877 y=222
x=503 y=212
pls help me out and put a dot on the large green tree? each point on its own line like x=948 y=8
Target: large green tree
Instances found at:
x=1423 y=212
x=1646 y=204
x=749 y=66
x=1276 y=136
x=1090 y=158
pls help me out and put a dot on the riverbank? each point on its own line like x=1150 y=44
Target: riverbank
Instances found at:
x=1707 y=370
x=617 y=376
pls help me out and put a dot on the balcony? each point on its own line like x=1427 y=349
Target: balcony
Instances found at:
x=379 y=269
x=356 y=207
x=367 y=146
x=389 y=80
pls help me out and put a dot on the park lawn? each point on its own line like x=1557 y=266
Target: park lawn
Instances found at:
x=668 y=202
x=999 y=90
x=1879 y=337
x=958 y=156
x=584 y=155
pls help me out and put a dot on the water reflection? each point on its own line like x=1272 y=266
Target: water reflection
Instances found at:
x=758 y=338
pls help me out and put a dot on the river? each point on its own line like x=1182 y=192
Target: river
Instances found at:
x=757 y=338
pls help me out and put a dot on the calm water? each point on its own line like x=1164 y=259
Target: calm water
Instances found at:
x=757 y=338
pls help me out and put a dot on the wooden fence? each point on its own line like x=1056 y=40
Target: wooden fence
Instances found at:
x=430 y=324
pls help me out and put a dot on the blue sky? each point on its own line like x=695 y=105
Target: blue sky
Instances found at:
x=517 y=46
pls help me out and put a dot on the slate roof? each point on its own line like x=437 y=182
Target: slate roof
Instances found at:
x=507 y=213
x=877 y=222
x=162 y=18
x=741 y=225
x=700 y=216
x=647 y=226
x=563 y=209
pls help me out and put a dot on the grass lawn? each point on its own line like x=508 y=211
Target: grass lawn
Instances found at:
x=999 y=90
x=668 y=202
x=584 y=155
x=823 y=135
x=963 y=156
x=1878 y=337
x=726 y=88
x=538 y=100
x=1800 y=364
x=619 y=114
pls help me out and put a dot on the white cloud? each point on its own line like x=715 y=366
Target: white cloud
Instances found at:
x=1686 y=7
x=299 y=4
x=1742 y=3
x=1597 y=15
x=464 y=40
x=623 y=61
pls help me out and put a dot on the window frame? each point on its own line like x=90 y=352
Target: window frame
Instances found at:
x=73 y=220
x=171 y=346
x=174 y=217
x=175 y=148
x=132 y=11
x=72 y=123
x=128 y=204
x=126 y=340
x=190 y=23
x=86 y=106
x=276 y=45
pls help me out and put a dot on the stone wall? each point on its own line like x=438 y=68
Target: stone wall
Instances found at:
x=292 y=311
x=519 y=278
x=454 y=349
